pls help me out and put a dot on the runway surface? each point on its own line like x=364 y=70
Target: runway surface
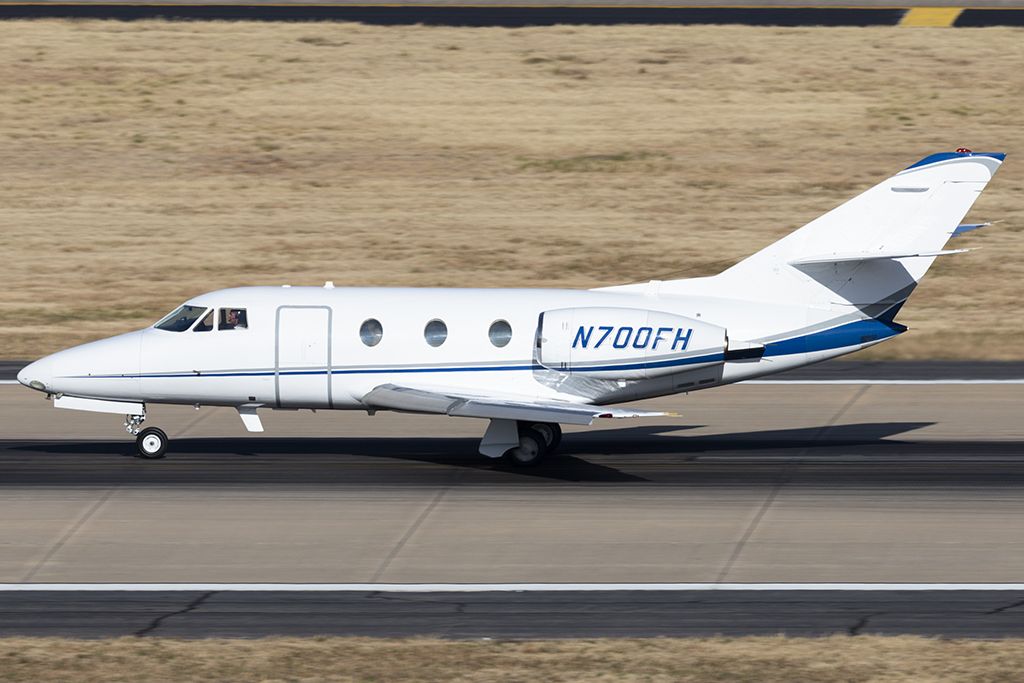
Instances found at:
x=782 y=483
x=202 y=614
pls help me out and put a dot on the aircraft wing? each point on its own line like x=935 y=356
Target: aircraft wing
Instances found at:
x=458 y=404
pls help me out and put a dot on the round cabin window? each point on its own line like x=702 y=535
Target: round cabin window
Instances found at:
x=435 y=332
x=500 y=333
x=371 y=332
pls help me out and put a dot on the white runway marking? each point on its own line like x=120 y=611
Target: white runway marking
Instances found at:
x=509 y=587
x=9 y=381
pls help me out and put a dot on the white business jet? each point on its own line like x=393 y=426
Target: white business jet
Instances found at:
x=529 y=360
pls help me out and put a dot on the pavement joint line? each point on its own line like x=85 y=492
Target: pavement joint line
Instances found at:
x=504 y=587
x=838 y=416
x=784 y=477
x=78 y=524
x=413 y=528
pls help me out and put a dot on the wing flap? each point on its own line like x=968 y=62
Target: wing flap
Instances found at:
x=456 y=404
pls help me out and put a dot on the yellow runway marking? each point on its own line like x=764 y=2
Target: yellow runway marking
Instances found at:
x=931 y=16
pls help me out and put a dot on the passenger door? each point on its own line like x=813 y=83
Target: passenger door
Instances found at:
x=302 y=366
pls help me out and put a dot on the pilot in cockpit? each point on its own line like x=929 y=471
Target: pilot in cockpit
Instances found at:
x=232 y=318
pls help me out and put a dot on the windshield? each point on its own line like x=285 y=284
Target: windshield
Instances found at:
x=181 y=319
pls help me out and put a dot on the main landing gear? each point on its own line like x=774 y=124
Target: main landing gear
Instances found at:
x=150 y=442
x=536 y=440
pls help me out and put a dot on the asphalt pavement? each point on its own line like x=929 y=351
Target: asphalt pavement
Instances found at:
x=793 y=483
x=522 y=13
x=241 y=614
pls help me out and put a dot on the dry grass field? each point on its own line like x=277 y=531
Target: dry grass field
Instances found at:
x=147 y=162
x=729 y=660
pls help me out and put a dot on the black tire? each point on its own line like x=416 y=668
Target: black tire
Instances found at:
x=151 y=443
x=531 y=449
x=552 y=433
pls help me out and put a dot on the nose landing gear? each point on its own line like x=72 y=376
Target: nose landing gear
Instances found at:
x=132 y=422
x=151 y=442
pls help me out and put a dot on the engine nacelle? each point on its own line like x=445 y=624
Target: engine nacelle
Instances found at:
x=626 y=343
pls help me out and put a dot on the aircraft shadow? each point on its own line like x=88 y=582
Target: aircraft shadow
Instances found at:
x=637 y=454
x=660 y=440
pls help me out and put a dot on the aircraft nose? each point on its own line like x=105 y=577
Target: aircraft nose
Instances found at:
x=38 y=375
x=83 y=368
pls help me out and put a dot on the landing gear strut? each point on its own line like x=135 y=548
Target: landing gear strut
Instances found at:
x=132 y=422
x=536 y=440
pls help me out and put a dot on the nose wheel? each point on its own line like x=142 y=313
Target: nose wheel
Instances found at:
x=151 y=443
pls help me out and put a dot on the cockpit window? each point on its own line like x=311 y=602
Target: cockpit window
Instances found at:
x=206 y=324
x=233 y=319
x=181 y=319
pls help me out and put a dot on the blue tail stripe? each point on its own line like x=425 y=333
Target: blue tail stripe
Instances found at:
x=850 y=334
x=945 y=156
x=967 y=227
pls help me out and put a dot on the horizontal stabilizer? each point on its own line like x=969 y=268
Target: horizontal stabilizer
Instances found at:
x=458 y=404
x=967 y=227
x=872 y=256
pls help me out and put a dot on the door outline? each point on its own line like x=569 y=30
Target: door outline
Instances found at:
x=277 y=351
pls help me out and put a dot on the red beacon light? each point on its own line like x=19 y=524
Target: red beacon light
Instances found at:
x=963 y=150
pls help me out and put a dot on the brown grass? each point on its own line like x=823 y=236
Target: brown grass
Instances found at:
x=762 y=660
x=144 y=163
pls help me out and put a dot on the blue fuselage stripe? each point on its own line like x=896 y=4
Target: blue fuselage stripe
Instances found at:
x=849 y=334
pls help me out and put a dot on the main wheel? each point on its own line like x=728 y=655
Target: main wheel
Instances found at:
x=151 y=442
x=552 y=433
x=530 y=451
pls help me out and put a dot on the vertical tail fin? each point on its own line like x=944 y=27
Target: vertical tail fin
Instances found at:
x=876 y=247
